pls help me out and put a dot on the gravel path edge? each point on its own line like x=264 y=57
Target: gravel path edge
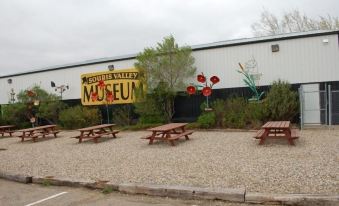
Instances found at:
x=225 y=194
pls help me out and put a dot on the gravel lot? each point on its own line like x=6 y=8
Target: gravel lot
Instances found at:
x=209 y=159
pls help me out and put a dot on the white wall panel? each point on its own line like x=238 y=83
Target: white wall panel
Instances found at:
x=70 y=76
x=298 y=61
x=302 y=60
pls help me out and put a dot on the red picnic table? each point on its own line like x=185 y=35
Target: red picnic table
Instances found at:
x=7 y=129
x=96 y=132
x=277 y=129
x=168 y=132
x=35 y=132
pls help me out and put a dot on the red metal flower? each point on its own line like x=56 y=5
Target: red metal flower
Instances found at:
x=101 y=84
x=201 y=78
x=214 y=79
x=94 y=96
x=206 y=91
x=190 y=90
x=109 y=96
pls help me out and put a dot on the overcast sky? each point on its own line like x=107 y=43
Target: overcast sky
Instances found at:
x=41 y=33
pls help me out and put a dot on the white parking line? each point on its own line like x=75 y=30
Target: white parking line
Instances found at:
x=48 y=198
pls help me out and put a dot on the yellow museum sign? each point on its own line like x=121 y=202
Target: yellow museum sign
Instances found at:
x=109 y=87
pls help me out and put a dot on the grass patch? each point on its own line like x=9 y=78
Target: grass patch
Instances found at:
x=138 y=127
x=193 y=125
x=107 y=190
x=46 y=183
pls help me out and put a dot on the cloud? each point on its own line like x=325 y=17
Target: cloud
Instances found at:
x=40 y=33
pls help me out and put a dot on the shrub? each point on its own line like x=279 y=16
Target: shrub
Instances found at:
x=122 y=115
x=193 y=125
x=15 y=114
x=254 y=114
x=149 y=111
x=219 y=108
x=235 y=112
x=206 y=120
x=51 y=110
x=47 y=110
x=281 y=102
x=79 y=116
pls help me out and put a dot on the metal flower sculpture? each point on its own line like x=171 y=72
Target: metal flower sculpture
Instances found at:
x=191 y=90
x=206 y=88
x=249 y=81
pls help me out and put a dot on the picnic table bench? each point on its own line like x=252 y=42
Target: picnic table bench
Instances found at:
x=168 y=132
x=40 y=131
x=7 y=129
x=96 y=132
x=277 y=129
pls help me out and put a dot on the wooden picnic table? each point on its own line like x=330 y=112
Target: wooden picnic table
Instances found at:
x=36 y=132
x=96 y=132
x=277 y=129
x=168 y=132
x=7 y=129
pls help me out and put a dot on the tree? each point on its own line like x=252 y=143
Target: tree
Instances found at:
x=164 y=70
x=293 y=21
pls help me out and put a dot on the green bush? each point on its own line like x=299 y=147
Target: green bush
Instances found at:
x=206 y=120
x=51 y=110
x=281 y=102
x=219 y=108
x=15 y=114
x=20 y=113
x=149 y=111
x=122 y=115
x=235 y=112
x=254 y=114
x=79 y=116
x=193 y=125
x=139 y=126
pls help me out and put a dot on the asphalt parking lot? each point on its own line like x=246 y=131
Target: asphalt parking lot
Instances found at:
x=18 y=194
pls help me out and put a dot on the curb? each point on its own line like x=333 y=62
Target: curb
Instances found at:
x=225 y=194
x=16 y=177
x=74 y=183
x=292 y=199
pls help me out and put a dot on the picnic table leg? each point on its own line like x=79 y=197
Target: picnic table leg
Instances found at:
x=111 y=129
x=151 y=139
x=92 y=133
x=287 y=133
x=80 y=137
x=263 y=137
x=186 y=136
x=170 y=141
x=44 y=131
x=55 y=134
